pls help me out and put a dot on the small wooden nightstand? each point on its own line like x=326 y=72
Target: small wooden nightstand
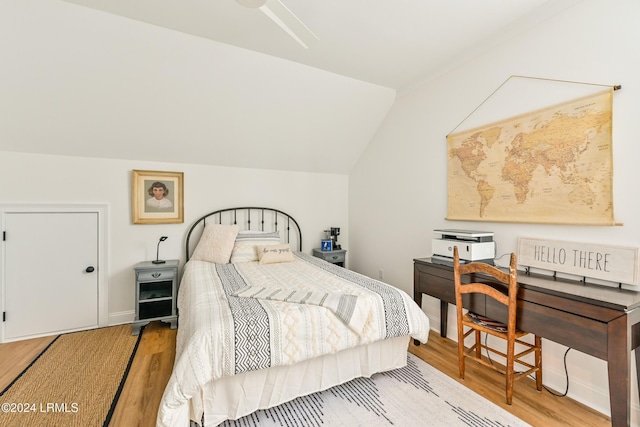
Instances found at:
x=336 y=257
x=156 y=293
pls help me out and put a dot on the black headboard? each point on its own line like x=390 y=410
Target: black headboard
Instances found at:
x=248 y=218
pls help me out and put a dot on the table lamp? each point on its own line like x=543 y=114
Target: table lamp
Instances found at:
x=159 y=261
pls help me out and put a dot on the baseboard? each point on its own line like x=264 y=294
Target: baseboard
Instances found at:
x=596 y=398
x=121 y=317
x=580 y=391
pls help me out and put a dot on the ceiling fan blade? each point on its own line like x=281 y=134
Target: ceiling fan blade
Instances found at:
x=282 y=16
x=253 y=4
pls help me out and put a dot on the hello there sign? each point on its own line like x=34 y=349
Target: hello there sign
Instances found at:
x=613 y=263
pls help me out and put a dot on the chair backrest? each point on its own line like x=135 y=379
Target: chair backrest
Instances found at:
x=498 y=284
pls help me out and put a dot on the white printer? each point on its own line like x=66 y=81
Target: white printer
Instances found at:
x=472 y=246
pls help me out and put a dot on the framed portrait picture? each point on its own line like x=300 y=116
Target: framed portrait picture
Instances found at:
x=326 y=245
x=157 y=197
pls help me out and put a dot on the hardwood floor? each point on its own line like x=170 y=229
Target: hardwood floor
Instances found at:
x=536 y=408
x=151 y=369
x=149 y=374
x=16 y=356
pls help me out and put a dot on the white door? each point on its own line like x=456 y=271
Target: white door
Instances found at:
x=51 y=279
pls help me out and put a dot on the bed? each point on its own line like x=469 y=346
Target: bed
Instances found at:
x=261 y=322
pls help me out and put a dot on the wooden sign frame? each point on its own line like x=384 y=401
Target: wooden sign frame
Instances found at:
x=617 y=264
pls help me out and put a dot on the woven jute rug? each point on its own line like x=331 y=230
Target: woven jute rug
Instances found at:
x=75 y=381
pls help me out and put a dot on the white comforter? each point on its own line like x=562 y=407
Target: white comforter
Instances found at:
x=222 y=335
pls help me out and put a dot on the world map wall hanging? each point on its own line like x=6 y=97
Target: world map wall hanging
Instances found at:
x=553 y=165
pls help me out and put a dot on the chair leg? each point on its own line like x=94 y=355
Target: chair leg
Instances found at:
x=510 y=373
x=538 y=358
x=478 y=342
x=461 y=352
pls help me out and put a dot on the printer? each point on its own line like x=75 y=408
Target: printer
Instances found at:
x=472 y=246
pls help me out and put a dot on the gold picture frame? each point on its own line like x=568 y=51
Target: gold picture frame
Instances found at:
x=157 y=197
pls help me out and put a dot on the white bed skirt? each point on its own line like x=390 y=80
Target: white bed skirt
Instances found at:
x=240 y=395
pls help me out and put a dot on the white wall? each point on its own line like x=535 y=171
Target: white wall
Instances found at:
x=316 y=201
x=398 y=189
x=81 y=82
x=78 y=84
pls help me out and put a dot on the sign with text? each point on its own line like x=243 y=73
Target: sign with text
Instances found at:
x=613 y=263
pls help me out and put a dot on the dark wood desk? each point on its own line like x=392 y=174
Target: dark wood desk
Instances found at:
x=597 y=320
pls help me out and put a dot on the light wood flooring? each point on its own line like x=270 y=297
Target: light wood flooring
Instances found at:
x=536 y=408
x=153 y=362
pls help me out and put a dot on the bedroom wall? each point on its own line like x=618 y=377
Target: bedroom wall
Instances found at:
x=398 y=189
x=80 y=82
x=317 y=201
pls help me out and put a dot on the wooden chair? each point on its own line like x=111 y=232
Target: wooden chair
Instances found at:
x=503 y=288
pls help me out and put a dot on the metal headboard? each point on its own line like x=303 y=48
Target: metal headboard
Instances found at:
x=267 y=219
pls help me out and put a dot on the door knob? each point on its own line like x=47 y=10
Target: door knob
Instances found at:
x=90 y=269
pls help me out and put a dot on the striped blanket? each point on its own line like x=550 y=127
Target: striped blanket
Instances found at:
x=345 y=306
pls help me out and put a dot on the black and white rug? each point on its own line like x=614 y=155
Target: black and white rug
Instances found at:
x=417 y=395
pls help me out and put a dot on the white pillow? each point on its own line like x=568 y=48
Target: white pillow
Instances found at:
x=244 y=248
x=216 y=243
x=272 y=254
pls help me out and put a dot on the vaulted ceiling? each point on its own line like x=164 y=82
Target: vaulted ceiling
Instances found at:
x=391 y=43
x=214 y=82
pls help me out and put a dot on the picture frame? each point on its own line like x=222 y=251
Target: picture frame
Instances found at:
x=326 y=245
x=157 y=197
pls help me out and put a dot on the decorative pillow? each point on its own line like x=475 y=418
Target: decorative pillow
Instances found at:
x=244 y=249
x=216 y=243
x=272 y=254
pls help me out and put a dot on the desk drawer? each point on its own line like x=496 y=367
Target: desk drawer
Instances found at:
x=578 y=332
x=591 y=311
x=435 y=270
x=437 y=287
x=585 y=335
x=444 y=289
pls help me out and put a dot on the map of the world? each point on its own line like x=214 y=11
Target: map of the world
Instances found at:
x=549 y=166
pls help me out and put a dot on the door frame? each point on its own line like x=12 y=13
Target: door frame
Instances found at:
x=102 y=210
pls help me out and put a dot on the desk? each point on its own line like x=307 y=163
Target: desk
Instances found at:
x=597 y=320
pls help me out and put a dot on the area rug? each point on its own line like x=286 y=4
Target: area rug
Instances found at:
x=75 y=381
x=416 y=395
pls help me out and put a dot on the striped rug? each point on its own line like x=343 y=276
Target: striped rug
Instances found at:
x=75 y=381
x=416 y=395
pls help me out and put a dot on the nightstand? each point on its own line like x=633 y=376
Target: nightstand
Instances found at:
x=336 y=257
x=156 y=293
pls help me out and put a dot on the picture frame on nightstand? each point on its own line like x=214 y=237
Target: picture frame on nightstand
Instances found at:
x=326 y=245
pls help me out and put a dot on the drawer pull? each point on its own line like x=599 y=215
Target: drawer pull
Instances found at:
x=156 y=275
x=335 y=257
